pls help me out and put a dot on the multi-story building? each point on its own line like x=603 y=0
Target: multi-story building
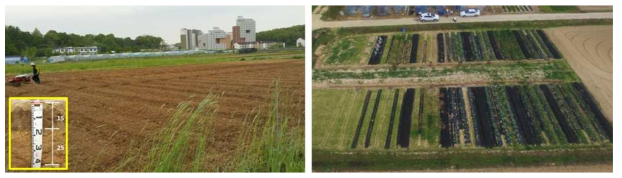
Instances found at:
x=244 y=31
x=77 y=50
x=190 y=38
x=215 y=39
x=236 y=35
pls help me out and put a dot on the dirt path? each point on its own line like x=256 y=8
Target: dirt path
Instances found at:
x=589 y=51
x=317 y=23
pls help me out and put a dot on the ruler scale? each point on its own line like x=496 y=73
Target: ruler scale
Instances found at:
x=52 y=164
x=37 y=132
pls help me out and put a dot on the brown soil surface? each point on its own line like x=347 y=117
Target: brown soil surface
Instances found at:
x=110 y=109
x=589 y=51
x=21 y=130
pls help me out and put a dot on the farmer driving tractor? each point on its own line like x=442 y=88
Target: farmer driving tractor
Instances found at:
x=35 y=72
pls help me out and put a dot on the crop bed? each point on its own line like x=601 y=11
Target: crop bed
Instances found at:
x=487 y=116
x=378 y=50
x=495 y=45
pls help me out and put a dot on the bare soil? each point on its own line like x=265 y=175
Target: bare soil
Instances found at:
x=589 y=51
x=110 y=109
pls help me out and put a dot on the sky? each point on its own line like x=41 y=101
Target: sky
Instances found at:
x=161 y=21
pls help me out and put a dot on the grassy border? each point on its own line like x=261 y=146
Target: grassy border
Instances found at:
x=327 y=161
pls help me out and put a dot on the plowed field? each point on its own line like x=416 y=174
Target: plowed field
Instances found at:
x=589 y=51
x=110 y=109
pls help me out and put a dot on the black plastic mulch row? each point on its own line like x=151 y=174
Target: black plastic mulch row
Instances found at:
x=403 y=130
x=521 y=43
x=413 y=49
x=373 y=119
x=495 y=45
x=549 y=45
x=377 y=54
x=358 y=128
x=604 y=123
x=441 y=47
x=525 y=127
x=466 y=45
x=484 y=122
x=571 y=137
x=387 y=144
x=445 y=110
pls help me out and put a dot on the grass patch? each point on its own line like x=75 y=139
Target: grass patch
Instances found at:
x=186 y=143
x=553 y=70
x=346 y=51
x=145 y=62
x=332 y=13
x=559 y=9
x=274 y=144
x=327 y=161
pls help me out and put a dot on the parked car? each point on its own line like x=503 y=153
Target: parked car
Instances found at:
x=427 y=17
x=470 y=13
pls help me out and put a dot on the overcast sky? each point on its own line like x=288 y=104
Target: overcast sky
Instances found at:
x=161 y=21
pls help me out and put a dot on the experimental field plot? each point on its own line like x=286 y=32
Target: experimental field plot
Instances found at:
x=465 y=100
x=440 y=47
x=462 y=117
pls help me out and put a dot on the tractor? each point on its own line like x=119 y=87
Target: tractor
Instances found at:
x=19 y=80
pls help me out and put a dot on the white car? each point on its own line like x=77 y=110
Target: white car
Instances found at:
x=470 y=13
x=427 y=17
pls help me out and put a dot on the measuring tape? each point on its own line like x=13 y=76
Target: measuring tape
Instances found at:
x=37 y=132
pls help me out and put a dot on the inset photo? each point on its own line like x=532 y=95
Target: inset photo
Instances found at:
x=159 y=88
x=38 y=133
x=462 y=88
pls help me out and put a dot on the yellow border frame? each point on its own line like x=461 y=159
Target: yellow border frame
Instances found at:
x=66 y=133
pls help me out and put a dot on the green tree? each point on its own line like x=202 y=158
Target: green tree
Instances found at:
x=9 y=47
x=288 y=35
x=31 y=53
x=17 y=41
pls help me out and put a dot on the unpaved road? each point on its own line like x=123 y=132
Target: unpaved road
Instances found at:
x=317 y=23
x=589 y=51
x=110 y=109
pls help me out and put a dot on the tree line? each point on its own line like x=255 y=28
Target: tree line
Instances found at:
x=288 y=35
x=36 y=44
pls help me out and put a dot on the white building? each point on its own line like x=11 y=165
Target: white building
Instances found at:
x=258 y=45
x=300 y=42
x=79 y=50
x=215 y=39
x=247 y=29
x=245 y=45
x=189 y=38
x=268 y=44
